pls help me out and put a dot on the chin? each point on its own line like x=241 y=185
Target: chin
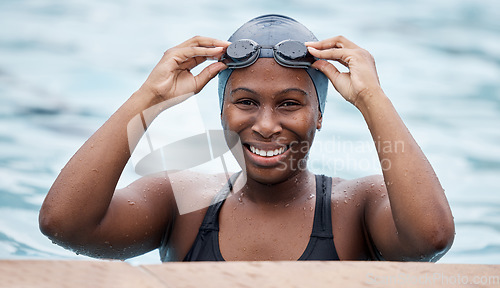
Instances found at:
x=271 y=176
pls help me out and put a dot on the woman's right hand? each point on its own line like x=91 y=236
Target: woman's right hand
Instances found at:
x=172 y=76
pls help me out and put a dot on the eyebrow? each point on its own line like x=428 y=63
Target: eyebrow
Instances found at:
x=280 y=92
x=243 y=89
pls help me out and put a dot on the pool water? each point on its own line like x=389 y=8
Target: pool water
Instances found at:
x=66 y=66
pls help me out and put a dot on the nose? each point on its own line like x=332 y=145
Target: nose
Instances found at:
x=267 y=123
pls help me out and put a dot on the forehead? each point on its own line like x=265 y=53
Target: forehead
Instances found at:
x=267 y=76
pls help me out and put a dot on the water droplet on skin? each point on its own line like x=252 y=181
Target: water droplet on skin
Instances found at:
x=311 y=208
x=310 y=196
x=372 y=185
x=287 y=205
x=131 y=202
x=345 y=201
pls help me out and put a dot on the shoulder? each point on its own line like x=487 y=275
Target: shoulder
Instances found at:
x=364 y=187
x=195 y=190
x=193 y=193
x=179 y=192
x=350 y=199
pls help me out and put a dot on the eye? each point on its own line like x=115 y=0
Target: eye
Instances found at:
x=289 y=104
x=246 y=102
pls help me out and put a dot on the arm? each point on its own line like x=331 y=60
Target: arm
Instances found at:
x=419 y=224
x=82 y=211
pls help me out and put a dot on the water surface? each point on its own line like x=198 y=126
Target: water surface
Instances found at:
x=65 y=66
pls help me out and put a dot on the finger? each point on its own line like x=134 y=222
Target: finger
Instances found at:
x=340 y=55
x=200 y=41
x=192 y=62
x=207 y=74
x=335 y=42
x=339 y=80
x=327 y=68
x=182 y=55
x=195 y=61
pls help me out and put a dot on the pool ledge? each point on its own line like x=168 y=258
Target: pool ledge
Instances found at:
x=54 y=273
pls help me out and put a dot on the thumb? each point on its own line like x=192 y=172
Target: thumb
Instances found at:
x=340 y=81
x=207 y=74
x=327 y=68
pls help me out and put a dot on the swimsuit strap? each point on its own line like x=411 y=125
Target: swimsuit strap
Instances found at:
x=211 y=220
x=322 y=226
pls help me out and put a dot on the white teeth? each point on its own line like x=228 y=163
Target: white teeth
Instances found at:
x=269 y=153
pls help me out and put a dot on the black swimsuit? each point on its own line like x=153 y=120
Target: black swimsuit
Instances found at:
x=320 y=246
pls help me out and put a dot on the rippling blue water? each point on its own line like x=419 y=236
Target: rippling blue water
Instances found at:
x=65 y=66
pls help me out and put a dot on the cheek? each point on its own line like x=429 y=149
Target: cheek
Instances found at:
x=302 y=123
x=234 y=120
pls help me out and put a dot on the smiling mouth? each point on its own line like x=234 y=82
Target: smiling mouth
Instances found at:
x=267 y=153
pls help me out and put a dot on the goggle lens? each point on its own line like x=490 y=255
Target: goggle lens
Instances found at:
x=288 y=53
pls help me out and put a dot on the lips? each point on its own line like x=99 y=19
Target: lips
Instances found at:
x=267 y=153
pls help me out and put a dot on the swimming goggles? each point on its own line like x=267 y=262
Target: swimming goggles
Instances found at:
x=288 y=53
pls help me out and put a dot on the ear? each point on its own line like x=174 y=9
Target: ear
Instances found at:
x=320 y=121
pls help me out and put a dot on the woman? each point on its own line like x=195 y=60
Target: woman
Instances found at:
x=272 y=95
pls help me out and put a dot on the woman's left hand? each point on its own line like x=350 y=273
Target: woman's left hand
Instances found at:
x=361 y=81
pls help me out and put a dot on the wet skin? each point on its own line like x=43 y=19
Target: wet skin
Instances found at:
x=271 y=218
x=404 y=212
x=271 y=108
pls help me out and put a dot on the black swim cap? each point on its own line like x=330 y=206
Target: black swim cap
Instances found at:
x=269 y=30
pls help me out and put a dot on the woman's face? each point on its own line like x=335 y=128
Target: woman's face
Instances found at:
x=275 y=112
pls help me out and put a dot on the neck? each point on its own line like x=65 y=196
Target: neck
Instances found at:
x=293 y=188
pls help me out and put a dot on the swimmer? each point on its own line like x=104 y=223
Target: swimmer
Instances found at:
x=273 y=78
